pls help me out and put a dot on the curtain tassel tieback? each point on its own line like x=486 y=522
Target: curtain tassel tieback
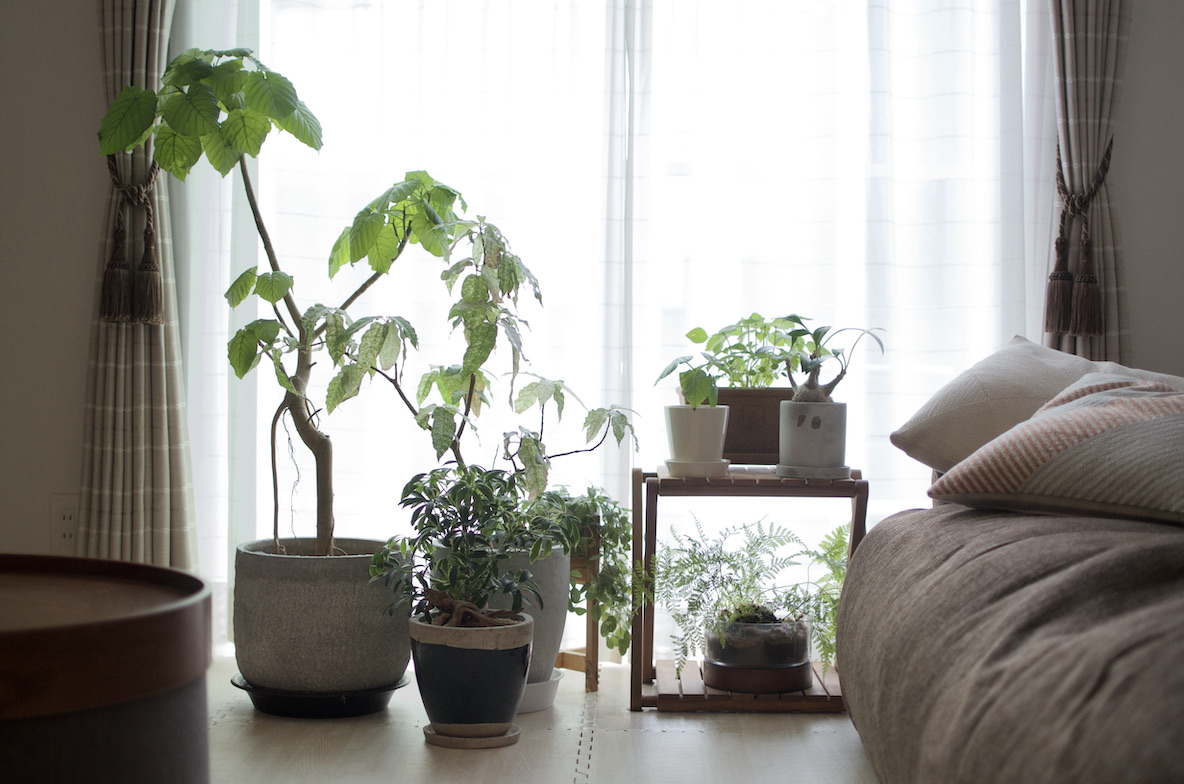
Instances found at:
x=149 y=299
x=115 y=303
x=1073 y=304
x=126 y=297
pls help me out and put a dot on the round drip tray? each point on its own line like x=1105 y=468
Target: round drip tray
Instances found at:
x=322 y=705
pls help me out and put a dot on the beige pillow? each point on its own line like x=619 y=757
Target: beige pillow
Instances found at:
x=986 y=401
x=1108 y=445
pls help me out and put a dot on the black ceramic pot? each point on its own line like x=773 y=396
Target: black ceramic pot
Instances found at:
x=471 y=681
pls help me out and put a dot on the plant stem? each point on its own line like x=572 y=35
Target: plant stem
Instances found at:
x=296 y=402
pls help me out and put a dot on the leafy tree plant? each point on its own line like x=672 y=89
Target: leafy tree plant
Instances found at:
x=708 y=582
x=223 y=104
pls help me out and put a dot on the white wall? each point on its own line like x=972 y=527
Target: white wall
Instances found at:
x=53 y=187
x=1147 y=180
x=53 y=191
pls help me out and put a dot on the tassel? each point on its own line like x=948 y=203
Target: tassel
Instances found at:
x=115 y=303
x=149 y=300
x=1087 y=297
x=1058 y=299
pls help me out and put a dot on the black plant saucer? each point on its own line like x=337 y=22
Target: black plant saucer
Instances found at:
x=306 y=705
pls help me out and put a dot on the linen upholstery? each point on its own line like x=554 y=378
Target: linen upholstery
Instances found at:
x=995 y=647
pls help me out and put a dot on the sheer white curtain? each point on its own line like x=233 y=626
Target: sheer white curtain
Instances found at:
x=666 y=164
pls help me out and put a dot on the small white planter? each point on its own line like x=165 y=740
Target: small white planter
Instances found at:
x=696 y=438
x=813 y=440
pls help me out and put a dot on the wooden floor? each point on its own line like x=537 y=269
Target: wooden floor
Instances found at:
x=582 y=738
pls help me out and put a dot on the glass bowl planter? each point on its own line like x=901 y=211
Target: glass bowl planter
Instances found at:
x=759 y=658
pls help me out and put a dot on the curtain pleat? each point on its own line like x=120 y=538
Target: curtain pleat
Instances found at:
x=1090 y=39
x=137 y=492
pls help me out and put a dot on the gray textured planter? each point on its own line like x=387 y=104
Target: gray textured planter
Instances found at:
x=313 y=624
x=814 y=440
x=552 y=574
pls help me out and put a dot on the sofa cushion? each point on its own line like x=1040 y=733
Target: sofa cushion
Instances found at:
x=986 y=400
x=1108 y=444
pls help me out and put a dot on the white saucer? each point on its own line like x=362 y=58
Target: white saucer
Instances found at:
x=686 y=468
x=539 y=696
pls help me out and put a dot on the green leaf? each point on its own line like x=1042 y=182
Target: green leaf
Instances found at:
x=281 y=375
x=241 y=288
x=388 y=353
x=697 y=335
x=482 y=340
x=222 y=156
x=594 y=422
x=242 y=351
x=339 y=257
x=371 y=345
x=193 y=112
x=271 y=94
x=313 y=315
x=174 y=153
x=443 y=430
x=364 y=232
x=344 y=385
x=265 y=330
x=245 y=130
x=336 y=338
x=273 y=286
x=304 y=125
x=474 y=289
x=227 y=80
x=128 y=118
x=189 y=72
x=385 y=250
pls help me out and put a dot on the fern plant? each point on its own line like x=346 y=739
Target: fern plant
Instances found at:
x=706 y=583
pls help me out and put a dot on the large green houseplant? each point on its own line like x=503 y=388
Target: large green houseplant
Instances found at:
x=223 y=105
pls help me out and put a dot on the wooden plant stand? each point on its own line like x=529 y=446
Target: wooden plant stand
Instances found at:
x=586 y=659
x=689 y=693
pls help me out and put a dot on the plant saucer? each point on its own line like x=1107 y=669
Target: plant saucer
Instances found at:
x=687 y=468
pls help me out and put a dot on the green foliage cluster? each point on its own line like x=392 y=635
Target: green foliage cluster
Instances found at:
x=220 y=103
x=595 y=516
x=223 y=105
x=468 y=523
x=707 y=582
x=755 y=351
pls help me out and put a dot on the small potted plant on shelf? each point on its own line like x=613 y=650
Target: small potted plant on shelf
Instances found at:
x=813 y=428
x=746 y=353
x=696 y=428
x=754 y=633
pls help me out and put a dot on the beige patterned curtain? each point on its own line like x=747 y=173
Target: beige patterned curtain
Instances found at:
x=1085 y=313
x=137 y=492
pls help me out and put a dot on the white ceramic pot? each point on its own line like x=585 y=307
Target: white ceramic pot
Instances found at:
x=813 y=440
x=696 y=435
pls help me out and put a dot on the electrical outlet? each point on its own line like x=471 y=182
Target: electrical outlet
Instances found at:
x=63 y=520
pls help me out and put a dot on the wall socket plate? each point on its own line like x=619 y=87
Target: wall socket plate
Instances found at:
x=63 y=521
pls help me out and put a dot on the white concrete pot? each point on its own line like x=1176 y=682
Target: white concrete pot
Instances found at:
x=696 y=435
x=813 y=440
x=552 y=574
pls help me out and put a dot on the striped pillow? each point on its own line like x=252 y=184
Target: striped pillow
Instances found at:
x=1109 y=445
